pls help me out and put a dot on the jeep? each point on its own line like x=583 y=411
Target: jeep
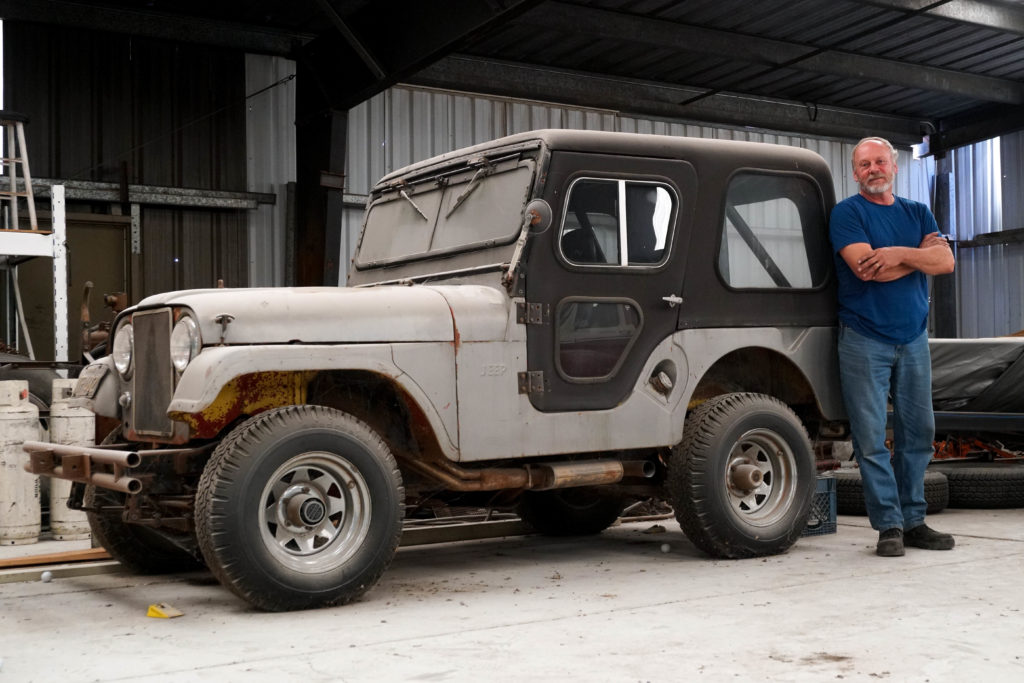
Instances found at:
x=562 y=321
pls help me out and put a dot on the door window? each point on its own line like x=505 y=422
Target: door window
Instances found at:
x=594 y=336
x=617 y=223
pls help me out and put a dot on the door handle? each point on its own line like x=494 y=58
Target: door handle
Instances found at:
x=672 y=300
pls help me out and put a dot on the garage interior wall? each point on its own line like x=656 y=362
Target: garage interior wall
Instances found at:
x=405 y=124
x=107 y=108
x=270 y=165
x=990 y=278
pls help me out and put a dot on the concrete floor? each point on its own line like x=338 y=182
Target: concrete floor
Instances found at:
x=607 y=608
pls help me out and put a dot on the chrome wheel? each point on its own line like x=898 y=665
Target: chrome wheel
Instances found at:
x=315 y=512
x=760 y=477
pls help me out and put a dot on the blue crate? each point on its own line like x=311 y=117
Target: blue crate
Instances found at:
x=822 y=519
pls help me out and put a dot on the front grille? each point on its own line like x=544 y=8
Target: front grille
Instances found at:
x=153 y=378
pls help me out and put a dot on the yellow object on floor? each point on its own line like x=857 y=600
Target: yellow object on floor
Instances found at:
x=162 y=610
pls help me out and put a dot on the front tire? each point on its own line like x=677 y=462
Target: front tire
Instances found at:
x=743 y=478
x=300 y=507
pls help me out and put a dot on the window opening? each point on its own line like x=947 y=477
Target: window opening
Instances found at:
x=774 y=234
x=617 y=222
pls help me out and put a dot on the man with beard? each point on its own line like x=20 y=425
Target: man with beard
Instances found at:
x=885 y=246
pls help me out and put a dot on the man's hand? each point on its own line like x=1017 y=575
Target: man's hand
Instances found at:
x=881 y=262
x=885 y=264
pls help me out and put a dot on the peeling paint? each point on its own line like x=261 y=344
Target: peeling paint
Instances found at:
x=247 y=395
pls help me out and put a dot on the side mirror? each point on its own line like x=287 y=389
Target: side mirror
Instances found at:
x=538 y=212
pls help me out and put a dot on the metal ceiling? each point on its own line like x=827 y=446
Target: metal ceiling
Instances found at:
x=949 y=69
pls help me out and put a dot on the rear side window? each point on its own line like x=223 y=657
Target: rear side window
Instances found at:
x=617 y=222
x=774 y=234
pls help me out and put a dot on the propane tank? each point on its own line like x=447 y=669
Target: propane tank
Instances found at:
x=19 y=490
x=71 y=424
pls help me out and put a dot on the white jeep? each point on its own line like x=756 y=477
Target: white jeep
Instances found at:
x=562 y=319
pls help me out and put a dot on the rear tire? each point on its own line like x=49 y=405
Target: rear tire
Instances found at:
x=743 y=479
x=569 y=512
x=300 y=507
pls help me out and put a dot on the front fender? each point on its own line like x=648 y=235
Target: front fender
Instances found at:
x=209 y=382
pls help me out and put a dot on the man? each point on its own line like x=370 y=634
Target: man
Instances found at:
x=885 y=246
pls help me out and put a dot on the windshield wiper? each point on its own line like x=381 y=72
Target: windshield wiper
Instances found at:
x=407 y=198
x=485 y=170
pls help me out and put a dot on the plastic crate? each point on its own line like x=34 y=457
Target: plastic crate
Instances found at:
x=822 y=519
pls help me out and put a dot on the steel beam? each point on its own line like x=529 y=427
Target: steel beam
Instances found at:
x=647 y=98
x=154 y=194
x=1002 y=17
x=774 y=53
x=152 y=24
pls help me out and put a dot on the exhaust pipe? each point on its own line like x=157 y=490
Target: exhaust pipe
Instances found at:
x=537 y=477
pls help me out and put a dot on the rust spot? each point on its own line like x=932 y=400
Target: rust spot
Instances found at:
x=456 y=337
x=247 y=395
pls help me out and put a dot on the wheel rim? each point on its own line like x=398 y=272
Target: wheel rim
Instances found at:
x=760 y=477
x=315 y=512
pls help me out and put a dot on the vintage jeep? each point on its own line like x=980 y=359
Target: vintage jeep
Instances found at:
x=559 y=320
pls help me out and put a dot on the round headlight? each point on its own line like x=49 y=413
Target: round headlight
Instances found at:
x=124 y=345
x=184 y=343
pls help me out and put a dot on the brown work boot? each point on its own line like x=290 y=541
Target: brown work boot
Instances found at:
x=925 y=537
x=890 y=543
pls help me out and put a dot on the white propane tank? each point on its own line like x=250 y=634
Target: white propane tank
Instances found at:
x=71 y=424
x=19 y=490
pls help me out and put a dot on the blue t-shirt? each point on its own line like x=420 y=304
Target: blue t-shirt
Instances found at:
x=892 y=312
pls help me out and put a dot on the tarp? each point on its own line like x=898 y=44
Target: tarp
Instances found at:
x=978 y=375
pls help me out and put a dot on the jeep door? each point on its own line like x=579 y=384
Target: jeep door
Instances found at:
x=603 y=282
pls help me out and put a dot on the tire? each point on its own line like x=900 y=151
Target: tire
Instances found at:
x=850 y=492
x=984 y=485
x=569 y=512
x=729 y=437
x=300 y=507
x=40 y=380
x=137 y=548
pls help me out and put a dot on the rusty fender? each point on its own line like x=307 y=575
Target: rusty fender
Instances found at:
x=537 y=477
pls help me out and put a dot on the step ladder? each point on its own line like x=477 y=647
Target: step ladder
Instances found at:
x=16 y=153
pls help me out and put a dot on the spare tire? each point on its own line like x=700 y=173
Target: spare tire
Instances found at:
x=984 y=485
x=850 y=492
x=40 y=380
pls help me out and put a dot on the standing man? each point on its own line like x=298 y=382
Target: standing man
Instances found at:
x=885 y=246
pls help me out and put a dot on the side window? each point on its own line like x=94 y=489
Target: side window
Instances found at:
x=594 y=336
x=774 y=233
x=616 y=222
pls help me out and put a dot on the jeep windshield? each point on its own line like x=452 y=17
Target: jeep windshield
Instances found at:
x=476 y=203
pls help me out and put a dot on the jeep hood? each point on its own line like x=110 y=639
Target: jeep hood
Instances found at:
x=316 y=315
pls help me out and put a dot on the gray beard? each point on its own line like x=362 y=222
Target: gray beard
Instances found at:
x=876 y=189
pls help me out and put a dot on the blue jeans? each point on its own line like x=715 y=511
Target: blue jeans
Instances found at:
x=871 y=371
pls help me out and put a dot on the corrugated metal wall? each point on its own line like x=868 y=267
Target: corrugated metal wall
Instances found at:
x=403 y=125
x=270 y=164
x=107 y=107
x=990 y=279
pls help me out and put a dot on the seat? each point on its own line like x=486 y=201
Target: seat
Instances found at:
x=580 y=246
